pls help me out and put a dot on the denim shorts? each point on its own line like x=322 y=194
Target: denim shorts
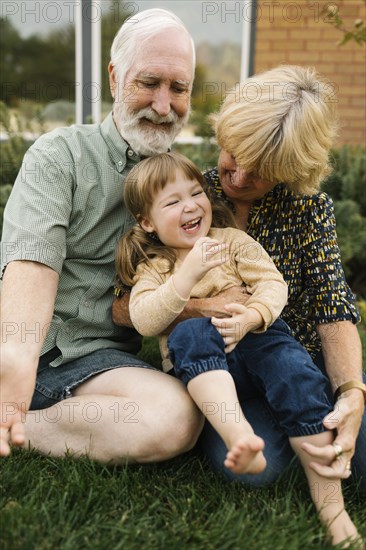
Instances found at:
x=54 y=384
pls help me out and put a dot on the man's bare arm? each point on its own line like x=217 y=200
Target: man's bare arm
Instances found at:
x=120 y=311
x=27 y=302
x=214 y=307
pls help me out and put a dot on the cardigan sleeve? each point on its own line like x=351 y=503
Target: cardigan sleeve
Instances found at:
x=154 y=302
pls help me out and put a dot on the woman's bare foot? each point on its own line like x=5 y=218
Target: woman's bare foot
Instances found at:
x=342 y=529
x=245 y=456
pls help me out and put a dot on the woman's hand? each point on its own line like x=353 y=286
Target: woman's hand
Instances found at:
x=342 y=352
x=346 y=420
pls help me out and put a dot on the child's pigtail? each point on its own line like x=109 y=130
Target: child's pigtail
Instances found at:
x=138 y=246
x=130 y=252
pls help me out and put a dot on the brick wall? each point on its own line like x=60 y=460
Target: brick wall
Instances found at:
x=296 y=33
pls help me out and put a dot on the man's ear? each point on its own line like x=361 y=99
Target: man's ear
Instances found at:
x=112 y=79
x=146 y=225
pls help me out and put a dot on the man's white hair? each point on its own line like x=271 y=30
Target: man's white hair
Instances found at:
x=137 y=28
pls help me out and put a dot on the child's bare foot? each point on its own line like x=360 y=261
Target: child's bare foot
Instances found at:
x=245 y=456
x=342 y=529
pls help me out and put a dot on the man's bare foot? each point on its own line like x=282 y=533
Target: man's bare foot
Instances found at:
x=343 y=530
x=245 y=456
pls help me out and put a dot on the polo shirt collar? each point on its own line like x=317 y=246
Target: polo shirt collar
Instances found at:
x=119 y=150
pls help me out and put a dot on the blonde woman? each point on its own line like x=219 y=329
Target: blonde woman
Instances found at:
x=275 y=133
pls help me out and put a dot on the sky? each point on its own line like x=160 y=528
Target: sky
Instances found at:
x=207 y=21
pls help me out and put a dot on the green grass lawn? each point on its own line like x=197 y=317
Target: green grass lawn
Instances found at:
x=53 y=503
x=56 y=504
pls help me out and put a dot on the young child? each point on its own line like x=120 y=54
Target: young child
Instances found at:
x=179 y=250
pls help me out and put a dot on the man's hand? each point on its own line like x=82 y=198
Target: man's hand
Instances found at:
x=27 y=300
x=17 y=386
x=242 y=321
x=346 y=420
x=215 y=307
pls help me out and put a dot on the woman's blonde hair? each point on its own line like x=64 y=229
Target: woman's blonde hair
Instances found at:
x=281 y=124
x=140 y=188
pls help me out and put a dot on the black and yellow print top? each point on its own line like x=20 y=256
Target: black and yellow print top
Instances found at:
x=298 y=232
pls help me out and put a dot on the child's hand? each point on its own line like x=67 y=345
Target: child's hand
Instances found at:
x=242 y=321
x=205 y=255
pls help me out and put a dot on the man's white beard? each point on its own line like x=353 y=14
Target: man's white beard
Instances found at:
x=143 y=139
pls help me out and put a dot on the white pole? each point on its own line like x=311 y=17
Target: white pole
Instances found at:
x=96 y=64
x=78 y=63
x=247 y=42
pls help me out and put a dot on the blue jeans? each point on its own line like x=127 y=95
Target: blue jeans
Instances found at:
x=281 y=391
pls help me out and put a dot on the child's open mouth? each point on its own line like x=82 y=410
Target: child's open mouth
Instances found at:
x=192 y=226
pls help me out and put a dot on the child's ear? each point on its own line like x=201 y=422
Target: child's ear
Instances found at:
x=146 y=225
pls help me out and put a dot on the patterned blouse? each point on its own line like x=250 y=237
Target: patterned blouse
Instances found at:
x=298 y=232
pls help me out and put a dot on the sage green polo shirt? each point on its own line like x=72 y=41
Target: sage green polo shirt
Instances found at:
x=66 y=211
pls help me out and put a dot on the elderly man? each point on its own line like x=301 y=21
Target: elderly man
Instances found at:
x=63 y=359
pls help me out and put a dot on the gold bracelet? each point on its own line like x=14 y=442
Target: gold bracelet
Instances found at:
x=349 y=386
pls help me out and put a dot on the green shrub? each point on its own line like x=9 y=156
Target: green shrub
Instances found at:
x=204 y=155
x=12 y=150
x=351 y=231
x=348 y=180
x=4 y=195
x=362 y=309
x=346 y=185
x=11 y=153
x=59 y=110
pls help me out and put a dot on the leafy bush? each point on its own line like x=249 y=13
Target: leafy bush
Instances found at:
x=348 y=179
x=204 y=155
x=12 y=152
x=362 y=309
x=5 y=191
x=60 y=110
x=351 y=230
x=346 y=185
